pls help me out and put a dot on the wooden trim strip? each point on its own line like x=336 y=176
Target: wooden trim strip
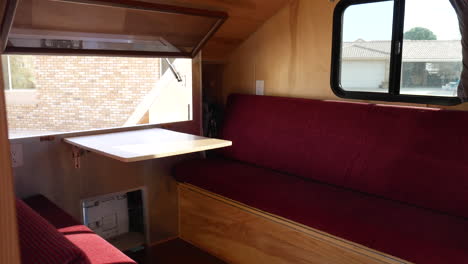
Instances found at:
x=9 y=245
x=81 y=52
x=208 y=36
x=288 y=226
x=130 y=4
x=163 y=241
x=7 y=22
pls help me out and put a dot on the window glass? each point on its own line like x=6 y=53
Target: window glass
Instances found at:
x=432 y=52
x=19 y=72
x=365 y=54
x=76 y=93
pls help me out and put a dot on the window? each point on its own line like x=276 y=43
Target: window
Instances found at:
x=78 y=93
x=401 y=50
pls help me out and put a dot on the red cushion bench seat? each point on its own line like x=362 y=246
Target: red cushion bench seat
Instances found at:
x=394 y=179
x=40 y=242
x=96 y=249
x=409 y=232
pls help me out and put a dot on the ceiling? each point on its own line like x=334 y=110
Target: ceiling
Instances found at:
x=245 y=17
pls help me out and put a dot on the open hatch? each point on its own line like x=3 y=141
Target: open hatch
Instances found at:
x=105 y=27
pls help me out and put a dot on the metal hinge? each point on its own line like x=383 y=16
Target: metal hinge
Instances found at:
x=76 y=155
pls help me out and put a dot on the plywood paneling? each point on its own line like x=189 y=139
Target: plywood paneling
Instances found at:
x=2 y=9
x=245 y=17
x=240 y=234
x=49 y=170
x=9 y=252
x=108 y=20
x=292 y=52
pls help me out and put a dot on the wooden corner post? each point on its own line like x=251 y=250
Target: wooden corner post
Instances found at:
x=9 y=245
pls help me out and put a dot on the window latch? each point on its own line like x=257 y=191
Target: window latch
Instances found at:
x=398 y=47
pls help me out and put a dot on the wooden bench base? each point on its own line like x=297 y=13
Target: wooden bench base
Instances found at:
x=241 y=234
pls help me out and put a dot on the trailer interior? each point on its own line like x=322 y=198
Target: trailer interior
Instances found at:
x=248 y=131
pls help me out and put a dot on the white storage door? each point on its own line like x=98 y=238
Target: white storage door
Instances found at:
x=362 y=74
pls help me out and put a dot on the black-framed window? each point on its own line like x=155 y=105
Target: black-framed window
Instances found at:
x=397 y=50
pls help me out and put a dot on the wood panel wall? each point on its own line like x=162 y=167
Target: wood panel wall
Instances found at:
x=2 y=11
x=9 y=247
x=291 y=52
x=245 y=17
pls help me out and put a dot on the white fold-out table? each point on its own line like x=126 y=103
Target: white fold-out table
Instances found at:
x=145 y=144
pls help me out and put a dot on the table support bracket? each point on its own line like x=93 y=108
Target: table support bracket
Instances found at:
x=76 y=155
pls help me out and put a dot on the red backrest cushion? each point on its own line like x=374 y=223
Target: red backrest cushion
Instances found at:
x=414 y=155
x=41 y=243
x=50 y=212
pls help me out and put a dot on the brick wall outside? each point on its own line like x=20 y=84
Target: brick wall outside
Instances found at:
x=83 y=93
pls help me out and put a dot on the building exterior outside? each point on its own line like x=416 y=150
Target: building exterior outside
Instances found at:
x=429 y=66
x=63 y=94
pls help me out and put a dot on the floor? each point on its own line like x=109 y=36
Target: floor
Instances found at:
x=175 y=251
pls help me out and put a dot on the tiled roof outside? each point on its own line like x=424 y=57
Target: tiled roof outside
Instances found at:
x=413 y=50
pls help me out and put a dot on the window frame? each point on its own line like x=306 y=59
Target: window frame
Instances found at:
x=6 y=73
x=190 y=126
x=396 y=54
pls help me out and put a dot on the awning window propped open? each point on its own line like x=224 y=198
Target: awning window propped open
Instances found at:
x=105 y=27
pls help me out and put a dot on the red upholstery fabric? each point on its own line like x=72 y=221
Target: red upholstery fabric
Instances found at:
x=415 y=234
x=418 y=156
x=41 y=243
x=97 y=250
x=50 y=211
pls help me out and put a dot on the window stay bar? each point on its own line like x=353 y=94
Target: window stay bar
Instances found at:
x=174 y=70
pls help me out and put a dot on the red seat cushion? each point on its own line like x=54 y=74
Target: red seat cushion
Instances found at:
x=40 y=242
x=412 y=155
x=97 y=250
x=412 y=233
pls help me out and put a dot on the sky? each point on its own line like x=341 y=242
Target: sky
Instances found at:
x=374 y=21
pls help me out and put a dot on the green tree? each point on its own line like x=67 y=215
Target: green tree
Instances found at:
x=22 y=72
x=420 y=33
